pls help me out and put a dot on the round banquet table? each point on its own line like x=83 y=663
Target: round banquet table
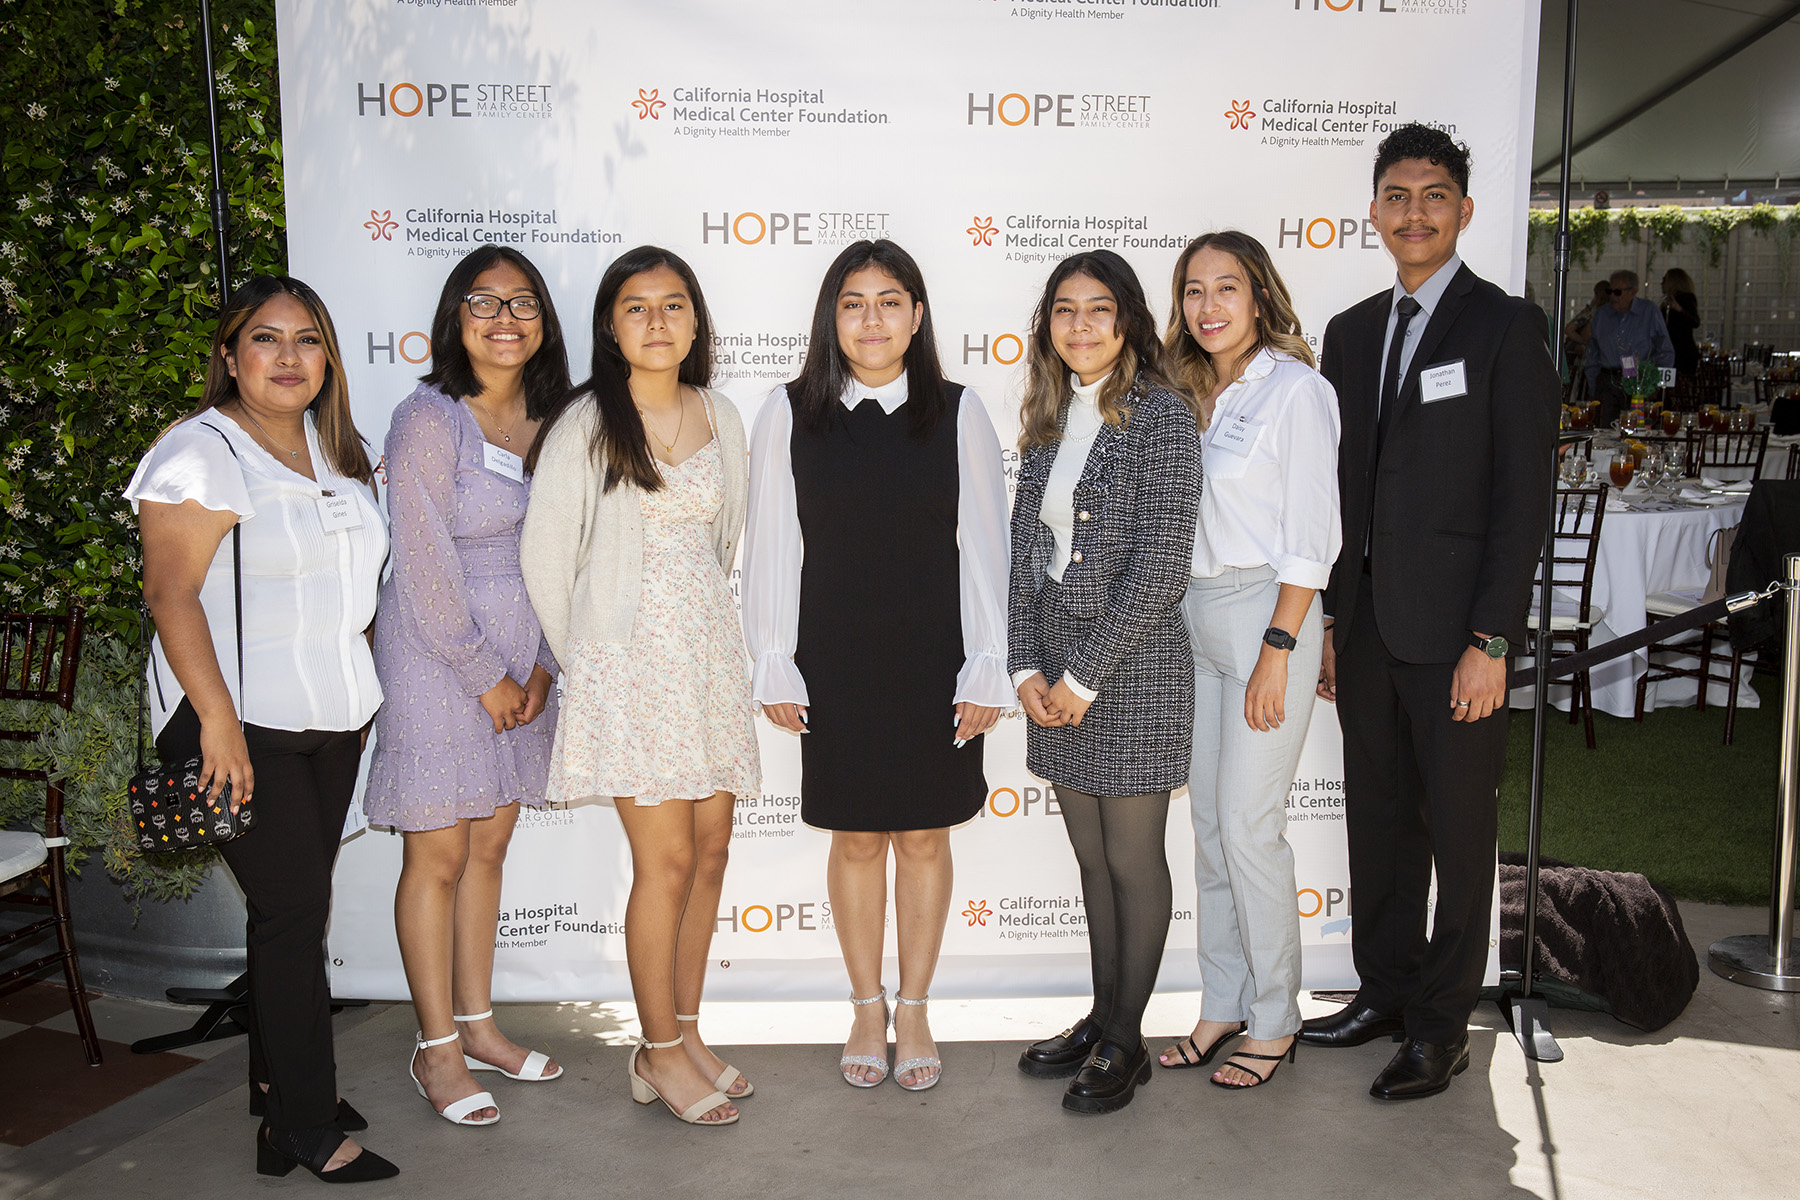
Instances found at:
x=1642 y=553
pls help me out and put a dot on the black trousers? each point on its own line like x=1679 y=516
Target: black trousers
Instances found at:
x=1418 y=788
x=1609 y=389
x=304 y=782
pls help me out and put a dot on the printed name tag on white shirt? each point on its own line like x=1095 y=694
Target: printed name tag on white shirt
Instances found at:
x=503 y=462
x=1627 y=363
x=338 y=513
x=1237 y=434
x=1443 y=382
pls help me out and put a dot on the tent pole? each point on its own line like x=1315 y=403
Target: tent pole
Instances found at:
x=218 y=174
x=1528 y=1014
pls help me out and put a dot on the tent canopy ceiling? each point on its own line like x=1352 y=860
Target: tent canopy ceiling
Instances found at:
x=1739 y=120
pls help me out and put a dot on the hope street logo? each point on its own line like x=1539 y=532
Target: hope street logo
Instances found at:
x=791 y=228
x=1417 y=8
x=1060 y=110
x=466 y=100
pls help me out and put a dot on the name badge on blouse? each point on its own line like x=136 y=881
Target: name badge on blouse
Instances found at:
x=338 y=513
x=503 y=462
x=1445 y=381
x=1237 y=434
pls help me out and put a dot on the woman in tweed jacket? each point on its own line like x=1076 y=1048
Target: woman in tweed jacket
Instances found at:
x=1102 y=535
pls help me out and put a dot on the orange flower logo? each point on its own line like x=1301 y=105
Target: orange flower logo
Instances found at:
x=381 y=225
x=982 y=231
x=648 y=105
x=978 y=912
x=1240 y=114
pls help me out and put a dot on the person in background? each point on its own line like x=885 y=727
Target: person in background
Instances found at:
x=1628 y=336
x=1448 y=399
x=275 y=706
x=464 y=736
x=1103 y=537
x=874 y=589
x=1268 y=534
x=635 y=513
x=1681 y=315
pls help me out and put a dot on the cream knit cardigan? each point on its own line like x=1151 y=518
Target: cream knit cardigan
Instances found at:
x=582 y=551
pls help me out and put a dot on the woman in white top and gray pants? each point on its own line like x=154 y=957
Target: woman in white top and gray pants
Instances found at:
x=1267 y=536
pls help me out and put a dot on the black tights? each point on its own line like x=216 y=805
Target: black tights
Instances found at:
x=1118 y=843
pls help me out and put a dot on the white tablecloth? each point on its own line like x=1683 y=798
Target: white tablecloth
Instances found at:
x=1642 y=553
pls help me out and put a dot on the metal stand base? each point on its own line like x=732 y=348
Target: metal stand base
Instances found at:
x=227 y=1015
x=1746 y=959
x=1529 y=1017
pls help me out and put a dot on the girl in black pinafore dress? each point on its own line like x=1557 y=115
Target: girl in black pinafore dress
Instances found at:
x=874 y=594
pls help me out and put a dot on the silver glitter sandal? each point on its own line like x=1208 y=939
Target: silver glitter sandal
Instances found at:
x=868 y=1060
x=913 y=1064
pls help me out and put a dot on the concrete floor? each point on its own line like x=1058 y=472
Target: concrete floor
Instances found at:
x=1703 y=1108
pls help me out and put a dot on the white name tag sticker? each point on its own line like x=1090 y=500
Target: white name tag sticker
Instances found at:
x=1443 y=382
x=503 y=462
x=338 y=513
x=1627 y=363
x=1237 y=434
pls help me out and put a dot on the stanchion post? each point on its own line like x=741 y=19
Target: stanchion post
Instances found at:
x=1751 y=959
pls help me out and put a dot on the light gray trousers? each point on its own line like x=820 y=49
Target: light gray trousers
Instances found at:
x=1247 y=916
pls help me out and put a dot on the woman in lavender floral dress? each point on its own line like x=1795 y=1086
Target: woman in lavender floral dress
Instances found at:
x=465 y=733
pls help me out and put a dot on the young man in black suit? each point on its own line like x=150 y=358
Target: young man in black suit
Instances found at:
x=1449 y=402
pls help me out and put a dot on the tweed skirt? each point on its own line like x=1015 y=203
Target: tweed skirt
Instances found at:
x=1138 y=735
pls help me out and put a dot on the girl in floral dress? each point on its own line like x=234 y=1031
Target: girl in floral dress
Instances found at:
x=636 y=507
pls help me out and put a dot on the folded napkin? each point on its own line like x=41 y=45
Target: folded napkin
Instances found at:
x=1727 y=485
x=1693 y=495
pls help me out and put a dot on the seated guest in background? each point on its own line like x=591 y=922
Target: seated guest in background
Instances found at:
x=1681 y=314
x=874 y=589
x=1628 y=336
x=636 y=508
x=1449 y=409
x=1102 y=542
x=1267 y=536
x=463 y=737
x=275 y=706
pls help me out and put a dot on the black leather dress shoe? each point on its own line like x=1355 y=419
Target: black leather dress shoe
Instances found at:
x=1421 y=1069
x=1109 y=1079
x=1061 y=1056
x=1351 y=1025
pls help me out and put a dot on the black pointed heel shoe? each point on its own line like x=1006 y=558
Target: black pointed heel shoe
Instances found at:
x=347 y=1119
x=1063 y=1055
x=277 y=1153
x=1110 y=1078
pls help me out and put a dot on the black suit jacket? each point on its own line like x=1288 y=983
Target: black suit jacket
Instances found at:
x=1460 y=491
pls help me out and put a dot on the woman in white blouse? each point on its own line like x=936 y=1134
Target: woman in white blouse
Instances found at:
x=874 y=593
x=1267 y=536
x=272 y=457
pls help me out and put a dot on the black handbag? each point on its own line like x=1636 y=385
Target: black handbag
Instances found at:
x=168 y=806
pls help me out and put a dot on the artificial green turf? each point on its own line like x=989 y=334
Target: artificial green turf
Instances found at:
x=1664 y=798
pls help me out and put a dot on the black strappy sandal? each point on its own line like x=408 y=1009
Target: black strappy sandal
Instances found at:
x=1261 y=1079
x=1198 y=1059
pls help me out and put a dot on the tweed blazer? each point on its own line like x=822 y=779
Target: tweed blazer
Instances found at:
x=1115 y=619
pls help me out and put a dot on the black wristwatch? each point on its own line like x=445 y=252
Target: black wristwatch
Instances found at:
x=1493 y=647
x=1279 y=638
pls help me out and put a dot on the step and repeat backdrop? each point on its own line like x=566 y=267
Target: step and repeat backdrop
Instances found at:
x=990 y=138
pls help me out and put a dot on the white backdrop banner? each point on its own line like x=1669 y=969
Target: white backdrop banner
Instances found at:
x=988 y=137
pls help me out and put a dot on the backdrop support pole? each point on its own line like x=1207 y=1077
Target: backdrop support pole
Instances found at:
x=1773 y=962
x=218 y=173
x=1528 y=1014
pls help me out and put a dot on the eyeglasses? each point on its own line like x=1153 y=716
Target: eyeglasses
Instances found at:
x=525 y=308
x=1622 y=291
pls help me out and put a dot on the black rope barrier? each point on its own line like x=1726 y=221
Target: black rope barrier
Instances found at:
x=1592 y=657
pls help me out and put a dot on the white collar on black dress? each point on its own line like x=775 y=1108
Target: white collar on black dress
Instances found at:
x=889 y=395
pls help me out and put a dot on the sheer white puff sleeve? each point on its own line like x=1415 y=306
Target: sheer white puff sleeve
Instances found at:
x=773 y=552
x=981 y=518
x=192 y=462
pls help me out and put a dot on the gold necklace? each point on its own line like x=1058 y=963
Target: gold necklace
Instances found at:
x=669 y=446
x=266 y=434
x=505 y=430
